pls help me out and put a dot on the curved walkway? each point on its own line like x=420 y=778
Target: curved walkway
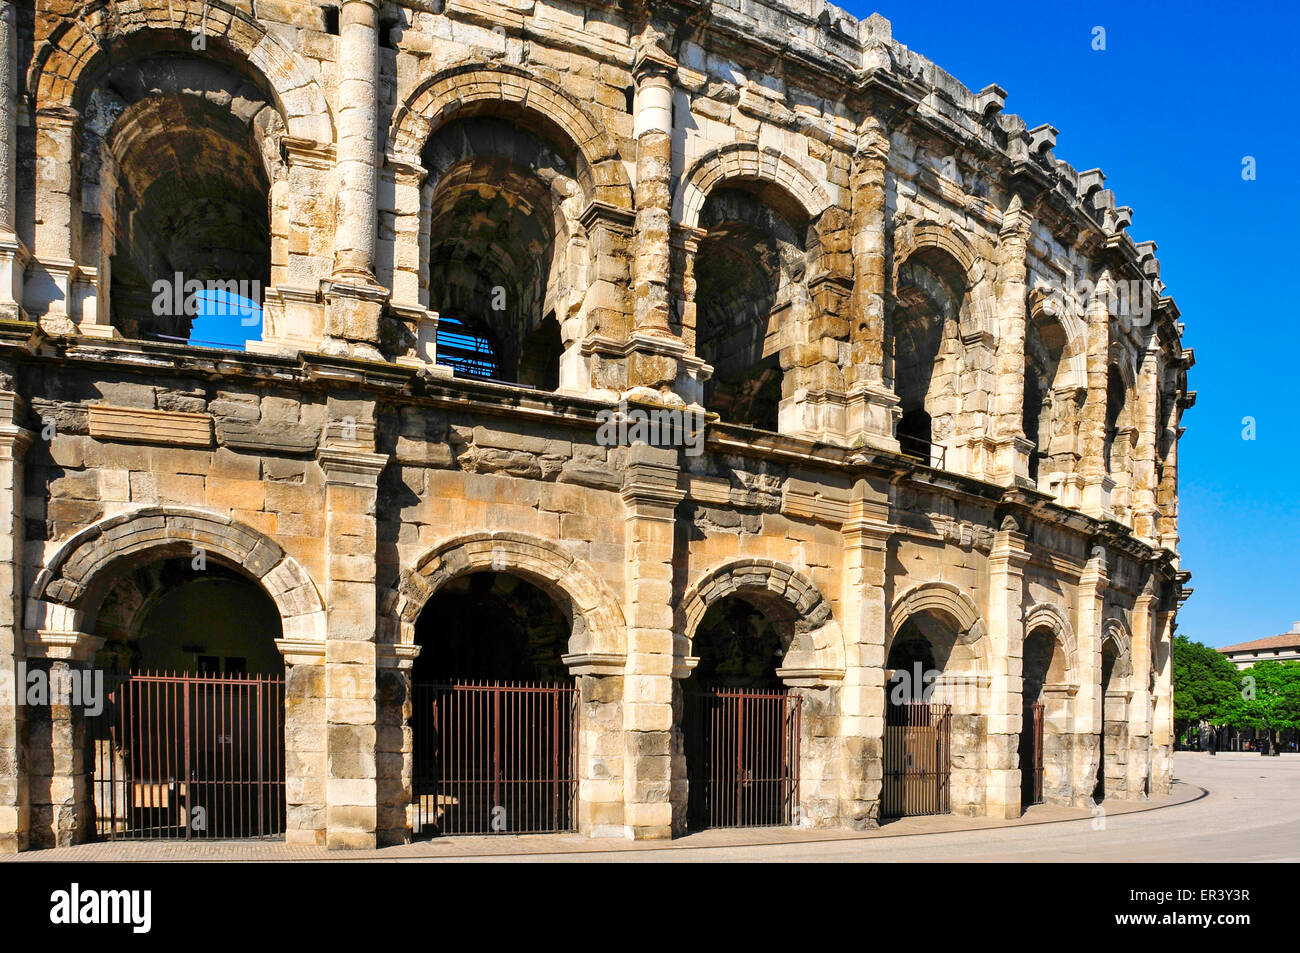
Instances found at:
x=1235 y=807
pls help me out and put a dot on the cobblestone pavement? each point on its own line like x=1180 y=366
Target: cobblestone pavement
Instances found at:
x=1235 y=807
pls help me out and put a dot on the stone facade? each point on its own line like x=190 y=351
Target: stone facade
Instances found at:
x=943 y=386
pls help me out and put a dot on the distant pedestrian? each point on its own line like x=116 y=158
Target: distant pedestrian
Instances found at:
x=1212 y=744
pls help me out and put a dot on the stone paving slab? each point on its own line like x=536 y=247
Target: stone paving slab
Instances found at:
x=495 y=846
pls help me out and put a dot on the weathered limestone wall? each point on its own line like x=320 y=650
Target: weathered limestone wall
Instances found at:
x=925 y=249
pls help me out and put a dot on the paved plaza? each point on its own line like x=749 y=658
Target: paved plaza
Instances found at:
x=1234 y=807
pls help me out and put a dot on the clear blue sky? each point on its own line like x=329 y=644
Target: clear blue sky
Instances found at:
x=1182 y=92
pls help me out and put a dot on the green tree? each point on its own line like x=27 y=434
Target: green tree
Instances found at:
x=1204 y=683
x=1268 y=699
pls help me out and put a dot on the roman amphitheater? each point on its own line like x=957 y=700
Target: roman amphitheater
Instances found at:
x=909 y=546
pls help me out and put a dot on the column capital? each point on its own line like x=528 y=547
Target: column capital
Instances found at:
x=62 y=646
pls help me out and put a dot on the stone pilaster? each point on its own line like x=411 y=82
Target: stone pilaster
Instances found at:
x=15 y=810
x=872 y=408
x=1141 y=698
x=862 y=706
x=304 y=734
x=58 y=769
x=1006 y=635
x=352 y=471
x=651 y=494
x=1089 y=703
x=1162 y=720
x=1097 y=483
x=1011 y=448
x=393 y=744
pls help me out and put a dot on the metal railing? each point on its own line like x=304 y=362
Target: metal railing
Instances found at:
x=917 y=760
x=185 y=756
x=929 y=454
x=742 y=756
x=494 y=757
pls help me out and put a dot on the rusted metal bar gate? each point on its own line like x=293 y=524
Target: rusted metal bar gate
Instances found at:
x=494 y=757
x=742 y=756
x=917 y=760
x=186 y=756
x=1031 y=755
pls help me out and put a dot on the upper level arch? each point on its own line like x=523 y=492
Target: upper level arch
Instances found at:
x=476 y=88
x=79 y=52
x=797 y=191
x=816 y=648
x=599 y=634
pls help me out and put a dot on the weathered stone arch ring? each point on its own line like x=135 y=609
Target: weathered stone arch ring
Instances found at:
x=597 y=645
x=816 y=652
x=77 y=574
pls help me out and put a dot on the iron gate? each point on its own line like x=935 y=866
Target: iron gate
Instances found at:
x=187 y=756
x=494 y=757
x=917 y=760
x=1031 y=755
x=742 y=756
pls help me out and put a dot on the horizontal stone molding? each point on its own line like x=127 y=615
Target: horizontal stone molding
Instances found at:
x=141 y=425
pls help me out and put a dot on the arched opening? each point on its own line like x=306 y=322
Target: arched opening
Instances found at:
x=740 y=724
x=494 y=715
x=180 y=152
x=502 y=260
x=1120 y=439
x=933 y=746
x=190 y=743
x=1045 y=405
x=930 y=307
x=1040 y=732
x=749 y=290
x=1114 y=727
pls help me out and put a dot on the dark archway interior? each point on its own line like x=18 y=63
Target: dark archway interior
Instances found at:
x=191 y=190
x=491 y=626
x=928 y=303
x=497 y=248
x=1044 y=344
x=167 y=615
x=1043 y=665
x=1116 y=398
x=752 y=253
x=740 y=645
x=911 y=661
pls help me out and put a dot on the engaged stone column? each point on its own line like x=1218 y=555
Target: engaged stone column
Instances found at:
x=656 y=349
x=1011 y=448
x=57 y=239
x=351 y=487
x=651 y=494
x=862 y=713
x=1097 y=484
x=355 y=300
x=1143 y=500
x=15 y=810
x=1167 y=493
x=1005 y=705
x=1089 y=703
x=13 y=255
x=872 y=407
